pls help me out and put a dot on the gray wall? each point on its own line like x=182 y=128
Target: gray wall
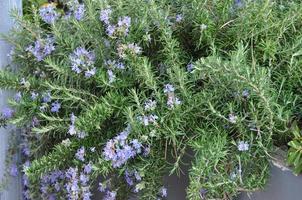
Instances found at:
x=13 y=190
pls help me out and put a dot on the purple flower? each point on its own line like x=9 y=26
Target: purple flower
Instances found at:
x=25 y=180
x=144 y=119
x=134 y=48
x=238 y=3
x=80 y=154
x=243 y=146
x=232 y=118
x=110 y=30
x=120 y=65
x=90 y=72
x=35 y=122
x=136 y=145
x=79 y=12
x=147 y=150
x=18 y=96
x=102 y=187
x=110 y=195
x=172 y=99
x=86 y=194
x=11 y=53
x=13 y=170
x=25 y=149
x=150 y=105
x=245 y=93
x=34 y=95
x=84 y=179
x=124 y=24
x=88 y=168
x=112 y=64
x=83 y=60
x=118 y=151
x=130 y=175
x=128 y=178
x=72 y=118
x=72 y=186
x=48 y=13
x=46 y=98
x=178 y=18
x=55 y=107
x=71 y=173
x=23 y=82
x=153 y=118
x=7 y=113
x=26 y=194
x=111 y=76
x=82 y=134
x=42 y=48
x=190 y=67
x=57 y=186
x=26 y=163
x=124 y=21
x=72 y=130
x=203 y=192
x=163 y=192
x=105 y=15
x=169 y=88
x=137 y=176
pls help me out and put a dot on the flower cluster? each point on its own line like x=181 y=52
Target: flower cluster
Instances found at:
x=105 y=188
x=110 y=195
x=42 y=48
x=163 y=192
x=48 y=13
x=25 y=159
x=111 y=66
x=78 y=183
x=77 y=9
x=51 y=184
x=80 y=154
x=172 y=99
x=120 y=29
x=118 y=150
x=132 y=176
x=233 y=118
x=55 y=107
x=105 y=15
x=83 y=60
x=178 y=18
x=243 y=146
x=150 y=105
x=132 y=49
x=148 y=119
x=190 y=67
x=7 y=113
x=72 y=128
x=74 y=181
x=13 y=170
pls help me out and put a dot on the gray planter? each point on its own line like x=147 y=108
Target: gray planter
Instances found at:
x=13 y=190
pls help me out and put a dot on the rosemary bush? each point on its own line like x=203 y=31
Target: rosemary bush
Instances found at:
x=124 y=89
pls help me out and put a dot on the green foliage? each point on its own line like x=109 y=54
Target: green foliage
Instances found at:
x=295 y=151
x=244 y=86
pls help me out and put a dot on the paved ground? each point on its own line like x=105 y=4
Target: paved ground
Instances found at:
x=283 y=185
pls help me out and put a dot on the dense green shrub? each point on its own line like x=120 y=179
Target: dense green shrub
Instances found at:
x=126 y=88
